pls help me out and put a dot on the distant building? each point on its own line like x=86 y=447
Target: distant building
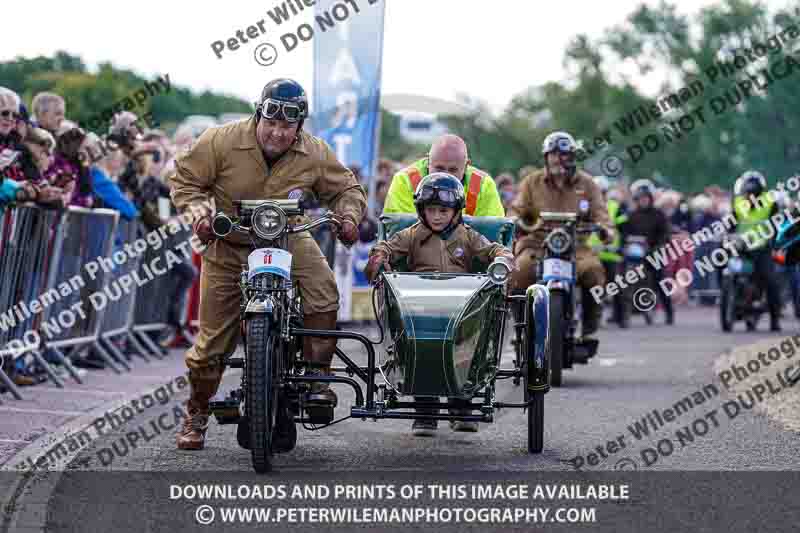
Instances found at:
x=418 y=115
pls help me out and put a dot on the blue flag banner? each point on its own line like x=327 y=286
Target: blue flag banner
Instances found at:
x=348 y=50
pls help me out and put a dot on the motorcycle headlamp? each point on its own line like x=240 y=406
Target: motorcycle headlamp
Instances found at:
x=499 y=271
x=269 y=221
x=221 y=225
x=558 y=241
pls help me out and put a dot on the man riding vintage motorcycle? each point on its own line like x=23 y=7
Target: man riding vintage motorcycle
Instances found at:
x=265 y=157
x=651 y=223
x=753 y=206
x=561 y=187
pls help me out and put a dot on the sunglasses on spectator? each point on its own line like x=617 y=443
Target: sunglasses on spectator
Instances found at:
x=290 y=112
x=9 y=115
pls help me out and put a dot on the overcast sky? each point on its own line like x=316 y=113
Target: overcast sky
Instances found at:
x=488 y=49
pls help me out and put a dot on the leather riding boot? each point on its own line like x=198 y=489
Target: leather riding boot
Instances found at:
x=592 y=313
x=203 y=385
x=319 y=352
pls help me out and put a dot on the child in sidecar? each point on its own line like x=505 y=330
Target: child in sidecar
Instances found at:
x=439 y=242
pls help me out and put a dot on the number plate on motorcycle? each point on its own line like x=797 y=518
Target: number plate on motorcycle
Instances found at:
x=269 y=261
x=735 y=265
x=557 y=268
x=635 y=250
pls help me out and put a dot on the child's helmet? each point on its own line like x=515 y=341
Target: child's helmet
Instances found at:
x=441 y=189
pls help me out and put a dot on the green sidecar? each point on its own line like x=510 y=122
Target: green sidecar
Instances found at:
x=443 y=338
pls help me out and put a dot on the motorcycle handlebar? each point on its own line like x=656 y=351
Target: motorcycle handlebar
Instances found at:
x=222 y=225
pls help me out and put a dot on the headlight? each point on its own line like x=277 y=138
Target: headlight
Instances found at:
x=558 y=241
x=269 y=221
x=499 y=271
x=222 y=225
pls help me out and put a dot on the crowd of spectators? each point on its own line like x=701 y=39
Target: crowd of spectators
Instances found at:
x=53 y=162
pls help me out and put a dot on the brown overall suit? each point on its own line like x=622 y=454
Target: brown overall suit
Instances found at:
x=227 y=164
x=538 y=193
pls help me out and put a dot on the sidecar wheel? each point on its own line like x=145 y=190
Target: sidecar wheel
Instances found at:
x=536 y=422
x=261 y=399
x=556 y=336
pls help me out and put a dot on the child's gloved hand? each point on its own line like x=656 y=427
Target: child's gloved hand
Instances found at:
x=377 y=262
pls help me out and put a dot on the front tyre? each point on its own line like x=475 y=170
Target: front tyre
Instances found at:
x=727 y=305
x=535 y=421
x=557 y=324
x=261 y=399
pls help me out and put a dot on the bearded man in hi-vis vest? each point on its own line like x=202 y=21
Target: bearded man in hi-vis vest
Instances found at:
x=448 y=154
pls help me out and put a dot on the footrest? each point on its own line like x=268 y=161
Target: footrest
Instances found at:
x=225 y=411
x=585 y=350
x=321 y=414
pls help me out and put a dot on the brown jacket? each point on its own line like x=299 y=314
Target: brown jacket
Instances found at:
x=537 y=194
x=427 y=252
x=227 y=164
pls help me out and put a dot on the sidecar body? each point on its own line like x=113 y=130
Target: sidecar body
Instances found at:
x=443 y=331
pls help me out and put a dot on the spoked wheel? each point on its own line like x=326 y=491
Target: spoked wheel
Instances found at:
x=727 y=306
x=261 y=398
x=556 y=334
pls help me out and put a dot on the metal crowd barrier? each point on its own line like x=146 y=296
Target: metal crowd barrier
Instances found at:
x=73 y=320
x=25 y=249
x=151 y=313
x=118 y=319
x=45 y=257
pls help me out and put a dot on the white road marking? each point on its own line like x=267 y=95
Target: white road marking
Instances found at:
x=87 y=391
x=15 y=441
x=41 y=411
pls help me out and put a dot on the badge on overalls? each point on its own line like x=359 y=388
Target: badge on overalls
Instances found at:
x=295 y=194
x=583 y=205
x=458 y=252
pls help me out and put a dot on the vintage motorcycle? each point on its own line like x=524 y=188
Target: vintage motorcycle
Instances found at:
x=741 y=298
x=635 y=251
x=442 y=336
x=557 y=271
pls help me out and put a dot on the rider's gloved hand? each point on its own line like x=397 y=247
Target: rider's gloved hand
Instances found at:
x=348 y=231
x=202 y=228
x=604 y=235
